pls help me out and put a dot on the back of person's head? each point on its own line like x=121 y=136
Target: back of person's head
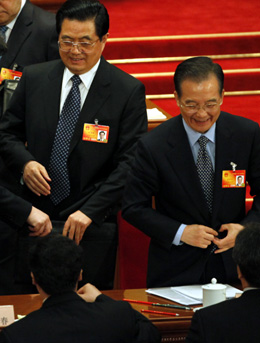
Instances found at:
x=56 y=263
x=246 y=253
x=197 y=69
x=83 y=10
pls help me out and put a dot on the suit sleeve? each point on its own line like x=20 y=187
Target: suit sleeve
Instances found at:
x=3 y=337
x=13 y=209
x=144 y=330
x=195 y=334
x=254 y=178
x=133 y=124
x=142 y=184
x=52 y=46
x=13 y=132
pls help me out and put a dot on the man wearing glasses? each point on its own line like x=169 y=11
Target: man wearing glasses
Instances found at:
x=58 y=109
x=189 y=164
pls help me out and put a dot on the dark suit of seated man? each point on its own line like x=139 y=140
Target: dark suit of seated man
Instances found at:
x=17 y=212
x=235 y=320
x=66 y=316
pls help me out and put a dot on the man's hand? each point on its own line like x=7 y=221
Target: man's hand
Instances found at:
x=39 y=223
x=229 y=241
x=36 y=178
x=76 y=225
x=89 y=293
x=198 y=235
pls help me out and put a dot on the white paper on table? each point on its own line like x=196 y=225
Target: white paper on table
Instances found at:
x=170 y=294
x=188 y=295
x=154 y=113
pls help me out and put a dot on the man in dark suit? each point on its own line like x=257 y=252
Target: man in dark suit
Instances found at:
x=111 y=100
x=235 y=320
x=66 y=316
x=193 y=226
x=17 y=212
x=31 y=36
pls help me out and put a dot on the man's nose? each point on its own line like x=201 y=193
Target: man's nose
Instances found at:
x=201 y=112
x=75 y=46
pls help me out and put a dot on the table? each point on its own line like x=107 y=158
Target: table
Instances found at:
x=173 y=329
x=152 y=123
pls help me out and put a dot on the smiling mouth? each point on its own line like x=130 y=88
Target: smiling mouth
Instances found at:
x=76 y=59
x=201 y=121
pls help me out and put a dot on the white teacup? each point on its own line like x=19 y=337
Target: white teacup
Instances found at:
x=213 y=293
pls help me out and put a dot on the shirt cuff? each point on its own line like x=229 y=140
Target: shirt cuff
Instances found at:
x=177 y=238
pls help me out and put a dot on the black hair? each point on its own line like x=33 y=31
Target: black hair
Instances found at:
x=197 y=69
x=246 y=253
x=56 y=262
x=83 y=10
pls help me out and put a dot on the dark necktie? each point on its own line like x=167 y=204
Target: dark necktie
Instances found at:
x=3 y=30
x=58 y=169
x=205 y=171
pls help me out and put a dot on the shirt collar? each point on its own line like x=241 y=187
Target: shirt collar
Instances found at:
x=250 y=288
x=193 y=135
x=85 y=78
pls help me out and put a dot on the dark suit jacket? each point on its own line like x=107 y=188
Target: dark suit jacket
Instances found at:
x=230 y=321
x=97 y=171
x=164 y=167
x=13 y=209
x=33 y=39
x=68 y=318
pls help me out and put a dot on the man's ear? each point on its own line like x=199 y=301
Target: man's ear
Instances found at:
x=177 y=98
x=239 y=274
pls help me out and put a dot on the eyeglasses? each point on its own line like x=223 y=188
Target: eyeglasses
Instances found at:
x=65 y=45
x=209 y=107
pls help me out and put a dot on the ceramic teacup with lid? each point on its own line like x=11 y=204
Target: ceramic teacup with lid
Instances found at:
x=213 y=293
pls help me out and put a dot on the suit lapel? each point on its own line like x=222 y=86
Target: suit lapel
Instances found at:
x=98 y=93
x=22 y=29
x=182 y=162
x=224 y=153
x=52 y=98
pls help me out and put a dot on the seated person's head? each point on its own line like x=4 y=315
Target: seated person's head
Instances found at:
x=56 y=263
x=246 y=254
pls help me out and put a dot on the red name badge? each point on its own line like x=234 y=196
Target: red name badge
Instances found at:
x=95 y=133
x=8 y=74
x=233 y=178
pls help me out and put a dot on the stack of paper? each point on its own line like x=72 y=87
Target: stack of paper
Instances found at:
x=187 y=295
x=155 y=114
